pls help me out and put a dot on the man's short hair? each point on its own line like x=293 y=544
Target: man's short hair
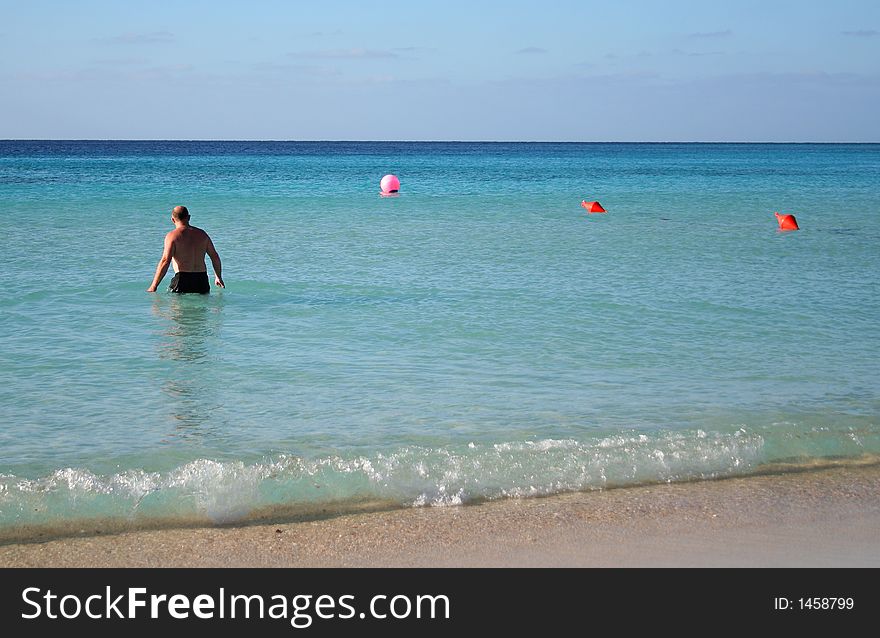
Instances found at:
x=180 y=212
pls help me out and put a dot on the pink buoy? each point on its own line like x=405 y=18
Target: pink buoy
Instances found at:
x=389 y=185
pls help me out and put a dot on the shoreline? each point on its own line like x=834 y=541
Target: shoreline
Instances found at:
x=304 y=512
x=825 y=518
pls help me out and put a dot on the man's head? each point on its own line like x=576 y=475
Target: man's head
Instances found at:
x=180 y=214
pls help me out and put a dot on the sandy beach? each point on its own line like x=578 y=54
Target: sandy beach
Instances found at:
x=824 y=518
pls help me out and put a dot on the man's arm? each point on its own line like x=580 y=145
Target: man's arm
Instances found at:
x=215 y=261
x=164 y=262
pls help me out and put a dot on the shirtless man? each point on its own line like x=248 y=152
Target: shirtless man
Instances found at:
x=185 y=248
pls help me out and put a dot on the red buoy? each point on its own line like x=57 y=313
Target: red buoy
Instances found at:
x=593 y=207
x=786 y=222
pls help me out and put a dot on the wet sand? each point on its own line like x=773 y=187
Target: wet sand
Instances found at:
x=824 y=518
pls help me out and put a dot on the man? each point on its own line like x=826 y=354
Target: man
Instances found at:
x=185 y=248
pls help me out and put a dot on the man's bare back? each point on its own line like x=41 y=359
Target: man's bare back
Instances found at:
x=185 y=249
x=189 y=245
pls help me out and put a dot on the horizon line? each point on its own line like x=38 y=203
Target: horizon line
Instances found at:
x=352 y=141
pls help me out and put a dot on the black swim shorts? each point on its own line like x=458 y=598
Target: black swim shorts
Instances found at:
x=190 y=282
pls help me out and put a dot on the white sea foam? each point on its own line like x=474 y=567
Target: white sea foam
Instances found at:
x=412 y=475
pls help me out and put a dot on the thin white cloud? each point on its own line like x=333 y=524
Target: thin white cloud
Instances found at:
x=532 y=51
x=862 y=33
x=642 y=54
x=711 y=34
x=297 y=69
x=345 y=54
x=154 y=37
x=818 y=78
x=321 y=34
x=122 y=61
x=695 y=54
x=413 y=49
x=379 y=79
x=164 y=72
x=583 y=79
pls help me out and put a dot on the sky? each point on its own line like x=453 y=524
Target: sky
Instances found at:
x=551 y=70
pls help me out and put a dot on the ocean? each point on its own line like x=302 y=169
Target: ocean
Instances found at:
x=478 y=337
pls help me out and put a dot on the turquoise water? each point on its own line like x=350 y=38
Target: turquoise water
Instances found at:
x=479 y=336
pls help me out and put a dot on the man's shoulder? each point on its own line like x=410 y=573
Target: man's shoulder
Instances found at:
x=191 y=230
